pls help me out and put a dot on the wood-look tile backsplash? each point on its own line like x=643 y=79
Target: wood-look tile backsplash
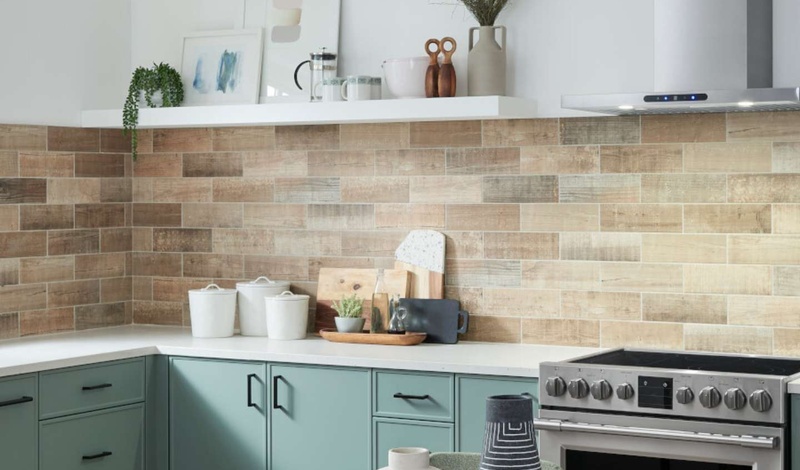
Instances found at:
x=678 y=232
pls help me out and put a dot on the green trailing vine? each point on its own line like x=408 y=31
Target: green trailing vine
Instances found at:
x=150 y=80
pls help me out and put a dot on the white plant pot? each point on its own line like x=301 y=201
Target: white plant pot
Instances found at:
x=252 y=308
x=287 y=316
x=349 y=325
x=213 y=311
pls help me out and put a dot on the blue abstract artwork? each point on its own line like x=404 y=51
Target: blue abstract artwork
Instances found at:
x=227 y=76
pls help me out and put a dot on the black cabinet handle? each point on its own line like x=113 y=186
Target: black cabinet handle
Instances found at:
x=101 y=455
x=403 y=396
x=275 y=405
x=96 y=387
x=18 y=401
x=250 y=378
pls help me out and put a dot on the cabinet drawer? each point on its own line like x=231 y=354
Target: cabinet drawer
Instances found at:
x=76 y=390
x=102 y=440
x=19 y=423
x=392 y=433
x=414 y=395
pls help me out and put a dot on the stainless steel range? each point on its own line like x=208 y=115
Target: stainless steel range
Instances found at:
x=643 y=410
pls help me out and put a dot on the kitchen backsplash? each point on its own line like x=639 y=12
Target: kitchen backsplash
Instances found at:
x=676 y=232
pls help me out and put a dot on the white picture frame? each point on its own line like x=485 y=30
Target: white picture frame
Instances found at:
x=222 y=67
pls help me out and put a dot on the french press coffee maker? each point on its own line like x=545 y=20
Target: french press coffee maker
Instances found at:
x=323 y=66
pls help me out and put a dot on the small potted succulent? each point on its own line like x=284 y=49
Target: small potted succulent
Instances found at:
x=349 y=319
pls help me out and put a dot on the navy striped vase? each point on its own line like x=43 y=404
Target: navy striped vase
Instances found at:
x=509 y=441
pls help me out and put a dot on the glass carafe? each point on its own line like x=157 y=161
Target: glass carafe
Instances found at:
x=323 y=66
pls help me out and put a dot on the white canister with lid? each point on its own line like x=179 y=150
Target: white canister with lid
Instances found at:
x=252 y=310
x=213 y=311
x=287 y=316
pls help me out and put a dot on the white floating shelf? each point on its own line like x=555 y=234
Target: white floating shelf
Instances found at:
x=283 y=114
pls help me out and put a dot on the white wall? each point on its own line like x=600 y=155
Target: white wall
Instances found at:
x=786 y=43
x=60 y=57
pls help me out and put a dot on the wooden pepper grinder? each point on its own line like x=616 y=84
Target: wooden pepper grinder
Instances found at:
x=447 y=73
x=432 y=75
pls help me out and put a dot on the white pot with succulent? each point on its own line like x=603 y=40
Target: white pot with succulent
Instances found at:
x=349 y=319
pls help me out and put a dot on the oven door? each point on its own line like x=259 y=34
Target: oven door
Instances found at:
x=588 y=441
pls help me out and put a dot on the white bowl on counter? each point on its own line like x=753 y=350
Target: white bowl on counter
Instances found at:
x=405 y=78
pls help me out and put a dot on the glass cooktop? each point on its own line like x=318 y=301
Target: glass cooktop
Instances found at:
x=701 y=362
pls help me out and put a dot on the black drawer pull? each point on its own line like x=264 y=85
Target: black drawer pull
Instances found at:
x=275 y=405
x=101 y=455
x=96 y=387
x=250 y=403
x=403 y=396
x=18 y=401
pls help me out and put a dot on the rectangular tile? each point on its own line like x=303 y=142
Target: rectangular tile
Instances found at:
x=601 y=305
x=156 y=215
x=213 y=266
x=445 y=134
x=275 y=164
x=600 y=130
x=20 y=245
x=559 y=160
x=100 y=266
x=46 y=164
x=182 y=189
x=307 y=190
x=236 y=139
x=728 y=218
x=71 y=242
x=158 y=313
x=716 y=279
x=9 y=164
x=786 y=157
x=635 y=277
x=410 y=162
x=683 y=128
x=177 y=240
x=156 y=264
x=243 y=189
x=212 y=215
x=560 y=217
x=24 y=297
x=614 y=334
x=9 y=218
x=23 y=191
x=786 y=218
x=73 y=139
x=728 y=158
x=464 y=245
x=501 y=245
x=182 y=140
x=16 y=137
x=601 y=246
x=209 y=165
x=158 y=165
x=310 y=243
x=50 y=269
x=561 y=275
x=41 y=322
x=46 y=217
x=684 y=188
x=764 y=311
x=278 y=267
x=275 y=215
x=520 y=189
x=142 y=190
x=412 y=216
x=521 y=303
x=118 y=289
x=100 y=165
x=493 y=329
x=729 y=339
x=9 y=326
x=73 y=191
x=446 y=189
x=641 y=158
x=520 y=132
x=763 y=126
x=786 y=342
x=116 y=240
x=173 y=289
x=483 y=161
x=560 y=332
x=382 y=244
x=99 y=316
x=99 y=215
x=341 y=163
x=374 y=136
x=764 y=249
x=487 y=217
x=600 y=188
x=667 y=248
x=786 y=280
x=641 y=218
x=243 y=241
x=375 y=189
x=775 y=188
x=115 y=140
x=482 y=273
x=9 y=271
x=471 y=298
x=317 y=263
x=684 y=308
x=307 y=137
x=116 y=190
x=142 y=288
x=67 y=294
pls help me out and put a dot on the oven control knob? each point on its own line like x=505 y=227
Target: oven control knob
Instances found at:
x=578 y=388
x=555 y=386
x=684 y=395
x=761 y=401
x=710 y=397
x=601 y=390
x=735 y=399
x=625 y=391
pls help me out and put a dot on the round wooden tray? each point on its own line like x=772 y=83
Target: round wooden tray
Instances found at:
x=408 y=339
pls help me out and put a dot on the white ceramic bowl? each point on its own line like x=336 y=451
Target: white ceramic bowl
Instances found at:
x=405 y=78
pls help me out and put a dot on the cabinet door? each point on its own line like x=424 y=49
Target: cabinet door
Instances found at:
x=217 y=415
x=471 y=396
x=392 y=433
x=320 y=418
x=19 y=424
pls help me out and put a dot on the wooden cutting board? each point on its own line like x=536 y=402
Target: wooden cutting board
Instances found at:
x=423 y=254
x=336 y=283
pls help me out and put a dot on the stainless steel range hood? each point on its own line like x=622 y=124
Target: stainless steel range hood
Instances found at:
x=710 y=56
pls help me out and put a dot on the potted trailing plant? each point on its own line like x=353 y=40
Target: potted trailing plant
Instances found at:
x=349 y=319
x=486 y=70
x=145 y=82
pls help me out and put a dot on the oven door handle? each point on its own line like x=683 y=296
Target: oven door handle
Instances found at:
x=666 y=434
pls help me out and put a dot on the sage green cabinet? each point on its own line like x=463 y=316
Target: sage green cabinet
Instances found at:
x=217 y=414
x=320 y=418
x=795 y=432
x=19 y=426
x=391 y=433
x=472 y=392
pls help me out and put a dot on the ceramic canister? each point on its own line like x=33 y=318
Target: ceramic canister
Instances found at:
x=252 y=310
x=213 y=311
x=287 y=316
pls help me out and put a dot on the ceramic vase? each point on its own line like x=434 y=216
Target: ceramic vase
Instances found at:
x=509 y=440
x=486 y=70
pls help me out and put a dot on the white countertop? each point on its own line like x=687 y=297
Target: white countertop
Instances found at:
x=40 y=353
